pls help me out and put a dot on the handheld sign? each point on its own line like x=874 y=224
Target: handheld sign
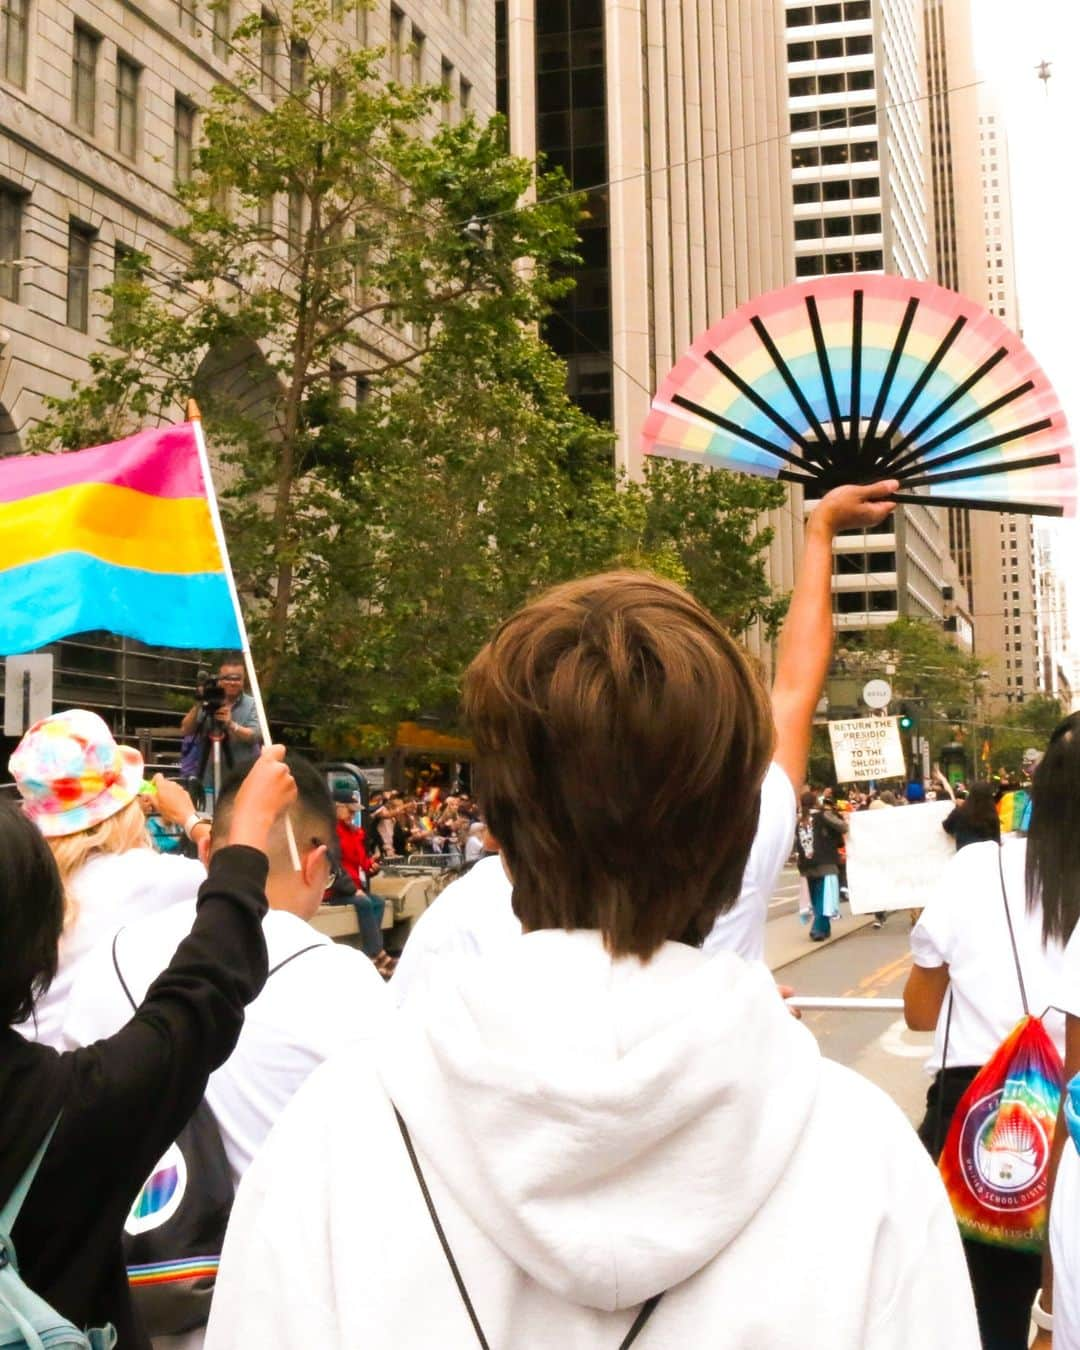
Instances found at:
x=895 y=856
x=866 y=749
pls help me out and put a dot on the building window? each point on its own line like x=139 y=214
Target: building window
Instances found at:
x=268 y=49
x=299 y=56
x=84 y=79
x=463 y=14
x=126 y=271
x=183 y=138
x=809 y=267
x=127 y=107
x=189 y=19
x=294 y=228
x=266 y=216
x=446 y=82
x=13 y=25
x=800 y=16
x=11 y=209
x=416 y=56
x=222 y=31
x=397 y=42
x=80 y=241
x=465 y=95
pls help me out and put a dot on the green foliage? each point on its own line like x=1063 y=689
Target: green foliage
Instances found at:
x=398 y=462
x=1028 y=725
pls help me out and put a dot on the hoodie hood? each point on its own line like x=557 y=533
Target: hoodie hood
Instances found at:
x=610 y=1125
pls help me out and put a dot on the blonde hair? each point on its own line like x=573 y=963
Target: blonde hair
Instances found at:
x=119 y=834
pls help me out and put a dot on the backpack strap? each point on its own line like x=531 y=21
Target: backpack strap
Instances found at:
x=14 y=1203
x=1012 y=935
x=644 y=1312
x=272 y=971
x=314 y=946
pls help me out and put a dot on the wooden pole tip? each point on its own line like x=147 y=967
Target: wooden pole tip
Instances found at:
x=193 y=413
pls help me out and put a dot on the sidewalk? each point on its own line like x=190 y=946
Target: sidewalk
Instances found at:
x=788 y=940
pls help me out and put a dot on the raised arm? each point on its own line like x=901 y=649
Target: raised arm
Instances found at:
x=806 y=640
x=134 y=1091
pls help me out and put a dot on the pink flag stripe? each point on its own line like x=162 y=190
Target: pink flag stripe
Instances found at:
x=161 y=463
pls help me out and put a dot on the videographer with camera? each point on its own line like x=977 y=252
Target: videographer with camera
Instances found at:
x=224 y=713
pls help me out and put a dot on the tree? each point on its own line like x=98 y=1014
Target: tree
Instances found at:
x=926 y=670
x=1025 y=726
x=357 y=314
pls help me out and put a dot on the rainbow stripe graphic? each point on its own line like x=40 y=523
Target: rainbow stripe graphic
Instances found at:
x=119 y=538
x=856 y=378
x=996 y=1159
x=172 y=1272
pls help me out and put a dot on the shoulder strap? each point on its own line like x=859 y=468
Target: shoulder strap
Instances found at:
x=119 y=973
x=1012 y=935
x=644 y=1313
x=14 y=1204
x=272 y=971
x=314 y=946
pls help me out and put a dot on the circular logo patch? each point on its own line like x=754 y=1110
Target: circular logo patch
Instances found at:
x=161 y=1194
x=1004 y=1156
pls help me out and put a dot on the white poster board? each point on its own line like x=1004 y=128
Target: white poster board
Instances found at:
x=867 y=748
x=895 y=856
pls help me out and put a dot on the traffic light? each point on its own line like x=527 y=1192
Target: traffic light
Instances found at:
x=907 y=717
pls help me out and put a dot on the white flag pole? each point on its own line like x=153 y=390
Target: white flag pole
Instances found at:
x=195 y=418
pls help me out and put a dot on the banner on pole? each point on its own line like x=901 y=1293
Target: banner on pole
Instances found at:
x=895 y=856
x=867 y=748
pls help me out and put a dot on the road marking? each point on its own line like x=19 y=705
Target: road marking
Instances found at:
x=894 y=1040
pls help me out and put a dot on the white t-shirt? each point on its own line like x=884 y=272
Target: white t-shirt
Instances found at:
x=321 y=1000
x=110 y=890
x=964 y=927
x=742 y=929
x=474 y=915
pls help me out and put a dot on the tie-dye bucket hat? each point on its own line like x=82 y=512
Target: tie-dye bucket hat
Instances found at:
x=71 y=773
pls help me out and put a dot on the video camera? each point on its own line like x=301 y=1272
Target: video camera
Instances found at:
x=210 y=693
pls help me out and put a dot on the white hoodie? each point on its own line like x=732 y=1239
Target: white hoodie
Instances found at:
x=594 y=1132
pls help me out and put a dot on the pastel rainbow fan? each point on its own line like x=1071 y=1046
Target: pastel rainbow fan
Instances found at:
x=851 y=379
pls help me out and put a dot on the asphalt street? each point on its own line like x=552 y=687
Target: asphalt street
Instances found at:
x=860 y=962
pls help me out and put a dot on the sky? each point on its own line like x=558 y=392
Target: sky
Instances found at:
x=1044 y=145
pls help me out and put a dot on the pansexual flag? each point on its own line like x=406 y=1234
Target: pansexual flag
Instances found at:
x=118 y=538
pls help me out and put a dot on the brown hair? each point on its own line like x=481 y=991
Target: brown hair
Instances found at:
x=622 y=738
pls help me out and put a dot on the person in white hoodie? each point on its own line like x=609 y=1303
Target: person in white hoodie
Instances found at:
x=599 y=1132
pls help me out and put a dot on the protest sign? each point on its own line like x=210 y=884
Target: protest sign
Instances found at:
x=895 y=856
x=866 y=749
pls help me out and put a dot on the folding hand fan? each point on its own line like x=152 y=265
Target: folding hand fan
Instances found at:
x=851 y=379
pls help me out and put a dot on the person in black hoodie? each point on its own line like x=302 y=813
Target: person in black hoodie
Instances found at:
x=123 y=1100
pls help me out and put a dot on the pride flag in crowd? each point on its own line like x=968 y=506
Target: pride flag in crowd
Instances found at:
x=119 y=538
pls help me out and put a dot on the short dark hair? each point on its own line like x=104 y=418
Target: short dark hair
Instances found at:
x=605 y=703
x=31 y=915
x=313 y=814
x=1053 y=843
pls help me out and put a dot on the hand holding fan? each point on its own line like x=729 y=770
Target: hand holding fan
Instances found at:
x=852 y=379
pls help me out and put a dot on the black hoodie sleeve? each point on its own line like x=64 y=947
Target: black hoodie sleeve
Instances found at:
x=133 y=1092
x=125 y=1099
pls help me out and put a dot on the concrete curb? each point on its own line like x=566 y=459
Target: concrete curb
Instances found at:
x=801 y=947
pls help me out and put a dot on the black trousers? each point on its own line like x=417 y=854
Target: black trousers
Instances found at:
x=1004 y=1282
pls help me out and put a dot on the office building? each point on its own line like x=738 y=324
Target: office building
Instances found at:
x=99 y=119
x=858 y=182
x=671 y=114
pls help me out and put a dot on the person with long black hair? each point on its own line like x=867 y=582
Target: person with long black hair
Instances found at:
x=964 y=986
x=975 y=819
x=1053 y=879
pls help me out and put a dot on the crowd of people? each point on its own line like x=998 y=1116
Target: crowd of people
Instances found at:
x=579 y=1112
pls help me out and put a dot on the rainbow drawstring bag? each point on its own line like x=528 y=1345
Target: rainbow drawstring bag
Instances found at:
x=996 y=1159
